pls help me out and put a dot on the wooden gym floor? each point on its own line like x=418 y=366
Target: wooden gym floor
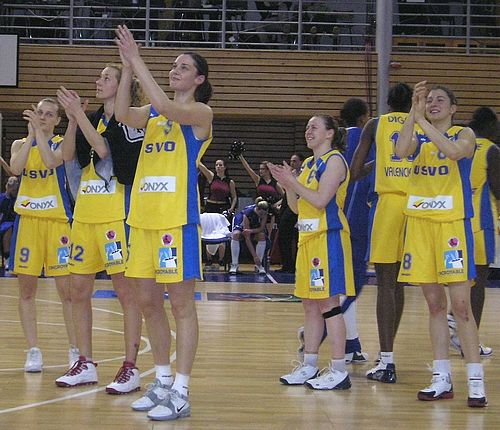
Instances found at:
x=246 y=344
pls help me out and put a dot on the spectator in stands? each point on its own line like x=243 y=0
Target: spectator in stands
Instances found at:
x=43 y=226
x=287 y=229
x=8 y=216
x=438 y=247
x=222 y=198
x=485 y=182
x=268 y=188
x=250 y=225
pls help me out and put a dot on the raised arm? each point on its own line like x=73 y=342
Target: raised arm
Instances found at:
x=19 y=153
x=463 y=147
x=255 y=178
x=5 y=166
x=196 y=114
x=358 y=167
x=334 y=174
x=124 y=112
x=51 y=158
x=70 y=101
x=206 y=172
x=234 y=195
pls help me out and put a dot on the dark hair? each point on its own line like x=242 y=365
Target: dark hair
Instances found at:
x=399 y=97
x=204 y=91
x=300 y=155
x=225 y=166
x=485 y=123
x=352 y=110
x=339 y=133
x=449 y=93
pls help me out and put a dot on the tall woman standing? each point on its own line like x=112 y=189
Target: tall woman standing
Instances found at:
x=165 y=215
x=324 y=260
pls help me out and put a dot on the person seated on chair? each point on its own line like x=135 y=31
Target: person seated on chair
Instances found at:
x=250 y=224
x=8 y=215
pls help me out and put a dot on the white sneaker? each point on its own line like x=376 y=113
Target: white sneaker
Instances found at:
x=83 y=372
x=154 y=395
x=485 y=351
x=233 y=269
x=330 y=379
x=174 y=406
x=260 y=269
x=73 y=355
x=440 y=388
x=383 y=372
x=356 y=357
x=452 y=325
x=455 y=343
x=477 y=396
x=34 y=362
x=300 y=374
x=127 y=380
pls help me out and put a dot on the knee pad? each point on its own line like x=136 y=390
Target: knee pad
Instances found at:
x=332 y=312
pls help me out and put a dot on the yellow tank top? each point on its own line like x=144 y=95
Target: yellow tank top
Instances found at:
x=439 y=188
x=98 y=202
x=391 y=172
x=482 y=198
x=42 y=192
x=312 y=220
x=165 y=190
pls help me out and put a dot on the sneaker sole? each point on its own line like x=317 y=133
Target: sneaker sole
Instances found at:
x=117 y=392
x=33 y=370
x=171 y=417
x=429 y=398
x=284 y=381
x=66 y=385
x=373 y=377
x=344 y=385
x=477 y=403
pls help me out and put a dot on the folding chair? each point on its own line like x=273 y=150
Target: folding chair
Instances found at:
x=215 y=231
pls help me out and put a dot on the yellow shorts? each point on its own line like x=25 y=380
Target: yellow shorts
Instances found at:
x=96 y=247
x=40 y=243
x=437 y=252
x=169 y=256
x=324 y=266
x=386 y=229
x=484 y=247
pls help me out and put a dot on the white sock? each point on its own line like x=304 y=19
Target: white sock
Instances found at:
x=260 y=250
x=181 y=384
x=387 y=357
x=475 y=370
x=351 y=325
x=338 y=365
x=441 y=366
x=311 y=359
x=164 y=374
x=235 y=251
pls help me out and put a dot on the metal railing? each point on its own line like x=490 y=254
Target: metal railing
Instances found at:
x=467 y=26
